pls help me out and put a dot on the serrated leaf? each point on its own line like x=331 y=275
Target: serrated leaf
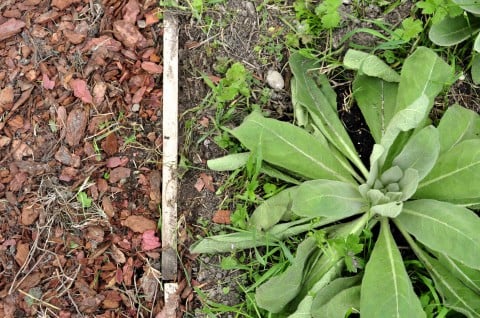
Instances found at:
x=271 y=211
x=376 y=99
x=370 y=65
x=289 y=282
x=456 y=175
x=420 y=152
x=327 y=198
x=424 y=73
x=290 y=147
x=453 y=30
x=386 y=288
x=444 y=227
x=457 y=124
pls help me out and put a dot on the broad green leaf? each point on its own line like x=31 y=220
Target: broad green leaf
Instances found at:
x=370 y=65
x=289 y=282
x=451 y=31
x=423 y=73
x=457 y=124
x=376 y=99
x=455 y=294
x=456 y=175
x=347 y=300
x=469 y=276
x=337 y=298
x=409 y=183
x=444 y=227
x=472 y=6
x=475 y=69
x=420 y=152
x=390 y=209
x=386 y=288
x=290 y=147
x=275 y=173
x=314 y=92
x=406 y=119
x=476 y=44
x=327 y=198
x=229 y=162
x=271 y=211
x=332 y=269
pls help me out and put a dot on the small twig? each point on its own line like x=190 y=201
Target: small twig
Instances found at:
x=39 y=300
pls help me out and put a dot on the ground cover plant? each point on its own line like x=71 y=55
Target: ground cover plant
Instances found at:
x=458 y=22
x=422 y=182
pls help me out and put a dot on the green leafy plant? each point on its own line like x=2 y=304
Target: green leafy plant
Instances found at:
x=84 y=200
x=460 y=25
x=421 y=181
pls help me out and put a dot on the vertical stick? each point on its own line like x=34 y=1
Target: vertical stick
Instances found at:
x=170 y=147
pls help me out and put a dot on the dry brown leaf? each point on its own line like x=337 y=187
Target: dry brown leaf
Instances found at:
x=10 y=28
x=222 y=217
x=21 y=150
x=155 y=179
x=199 y=185
x=128 y=34
x=76 y=125
x=4 y=141
x=130 y=11
x=46 y=82
x=139 y=224
x=22 y=253
x=99 y=91
x=152 y=17
x=208 y=181
x=65 y=157
x=62 y=4
x=118 y=174
x=15 y=123
x=117 y=255
x=138 y=96
x=30 y=213
x=80 y=90
x=110 y=144
x=6 y=97
x=95 y=233
x=114 y=162
x=152 y=68
x=108 y=207
x=150 y=241
x=105 y=41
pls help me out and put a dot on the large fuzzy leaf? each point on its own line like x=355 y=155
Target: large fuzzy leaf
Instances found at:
x=386 y=288
x=332 y=199
x=289 y=147
x=314 y=93
x=376 y=99
x=271 y=211
x=338 y=297
x=456 y=125
x=420 y=152
x=469 y=276
x=407 y=119
x=370 y=65
x=456 y=176
x=453 y=30
x=472 y=6
x=444 y=227
x=455 y=294
x=423 y=73
x=289 y=282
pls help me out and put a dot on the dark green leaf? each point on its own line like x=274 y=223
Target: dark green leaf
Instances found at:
x=451 y=31
x=370 y=65
x=338 y=297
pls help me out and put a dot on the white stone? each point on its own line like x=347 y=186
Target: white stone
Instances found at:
x=275 y=80
x=135 y=107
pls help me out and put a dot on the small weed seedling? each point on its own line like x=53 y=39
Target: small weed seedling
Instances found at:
x=422 y=181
